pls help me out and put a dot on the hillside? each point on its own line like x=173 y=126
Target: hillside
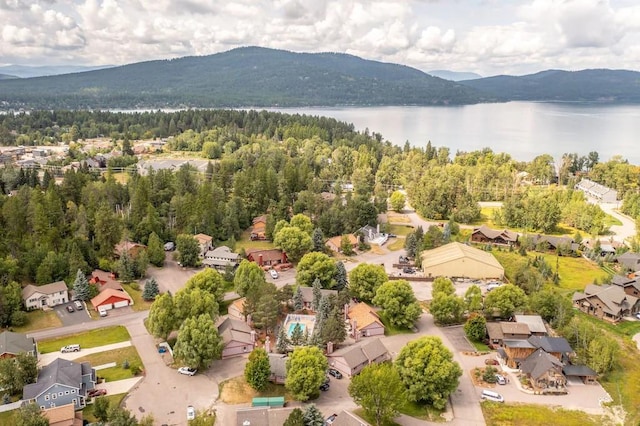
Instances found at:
x=454 y=75
x=7 y=76
x=248 y=76
x=597 y=85
x=25 y=71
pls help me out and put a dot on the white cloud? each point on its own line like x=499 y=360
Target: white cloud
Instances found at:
x=489 y=36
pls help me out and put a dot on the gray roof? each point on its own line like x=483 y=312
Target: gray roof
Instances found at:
x=52 y=288
x=535 y=322
x=362 y=352
x=233 y=330
x=555 y=241
x=630 y=260
x=307 y=293
x=492 y=234
x=613 y=297
x=551 y=344
x=518 y=344
x=278 y=364
x=578 y=370
x=222 y=252
x=60 y=371
x=494 y=330
x=15 y=343
x=263 y=416
x=538 y=363
x=346 y=418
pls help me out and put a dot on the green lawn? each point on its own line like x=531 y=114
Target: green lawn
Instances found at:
x=139 y=304
x=398 y=244
x=496 y=414
x=403 y=230
x=118 y=356
x=245 y=243
x=610 y=221
x=39 y=320
x=390 y=330
x=575 y=272
x=89 y=339
x=114 y=401
x=480 y=347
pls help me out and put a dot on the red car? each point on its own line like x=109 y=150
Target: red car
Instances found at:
x=96 y=392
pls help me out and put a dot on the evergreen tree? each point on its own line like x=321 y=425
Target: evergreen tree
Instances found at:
x=81 y=287
x=312 y=416
x=318 y=240
x=296 y=418
x=155 y=250
x=411 y=245
x=297 y=335
x=151 y=289
x=282 y=345
x=340 y=277
x=298 y=301
x=317 y=294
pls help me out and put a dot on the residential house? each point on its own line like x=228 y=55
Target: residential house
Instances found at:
x=132 y=249
x=205 y=242
x=335 y=243
x=514 y=352
x=278 y=368
x=60 y=383
x=500 y=331
x=364 y=321
x=221 y=257
x=111 y=299
x=534 y=322
x=238 y=338
x=629 y=261
x=596 y=191
x=103 y=280
x=347 y=418
x=584 y=373
x=307 y=296
x=45 y=296
x=236 y=309
x=262 y=416
x=64 y=415
x=486 y=235
x=631 y=286
x=267 y=258
x=544 y=372
x=555 y=346
x=258 y=228
x=352 y=359
x=554 y=243
x=12 y=344
x=371 y=235
x=608 y=302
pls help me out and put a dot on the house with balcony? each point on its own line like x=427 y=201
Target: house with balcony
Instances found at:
x=45 y=296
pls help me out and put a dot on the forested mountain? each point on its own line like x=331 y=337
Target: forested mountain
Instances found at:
x=6 y=76
x=250 y=76
x=565 y=86
x=454 y=75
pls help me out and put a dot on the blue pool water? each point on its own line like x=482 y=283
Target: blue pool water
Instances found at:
x=293 y=325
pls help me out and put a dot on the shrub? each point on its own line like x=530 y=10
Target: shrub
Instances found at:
x=125 y=364
x=489 y=375
x=135 y=286
x=19 y=318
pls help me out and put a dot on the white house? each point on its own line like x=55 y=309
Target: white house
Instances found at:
x=49 y=295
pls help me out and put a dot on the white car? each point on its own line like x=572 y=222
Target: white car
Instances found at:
x=191 y=413
x=187 y=371
x=273 y=273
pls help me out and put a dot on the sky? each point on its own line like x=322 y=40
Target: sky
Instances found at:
x=488 y=37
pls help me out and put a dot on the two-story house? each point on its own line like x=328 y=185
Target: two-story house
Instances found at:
x=49 y=295
x=12 y=344
x=205 y=242
x=221 y=257
x=61 y=382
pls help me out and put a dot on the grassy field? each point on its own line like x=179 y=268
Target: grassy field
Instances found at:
x=390 y=330
x=245 y=243
x=39 y=320
x=397 y=244
x=394 y=217
x=402 y=230
x=238 y=391
x=114 y=401
x=89 y=339
x=139 y=304
x=118 y=356
x=610 y=221
x=496 y=414
x=575 y=272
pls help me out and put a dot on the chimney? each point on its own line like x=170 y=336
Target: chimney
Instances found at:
x=354 y=327
x=378 y=228
x=260 y=260
x=267 y=345
x=253 y=336
x=329 y=348
x=284 y=257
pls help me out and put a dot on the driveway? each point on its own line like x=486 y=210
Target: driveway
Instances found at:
x=457 y=338
x=163 y=391
x=171 y=277
x=48 y=358
x=71 y=318
x=622 y=232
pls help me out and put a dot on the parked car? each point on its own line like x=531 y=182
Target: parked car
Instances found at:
x=500 y=379
x=638 y=315
x=78 y=305
x=70 y=348
x=330 y=419
x=491 y=361
x=191 y=413
x=70 y=309
x=335 y=373
x=273 y=273
x=96 y=392
x=493 y=285
x=408 y=270
x=170 y=246
x=102 y=312
x=187 y=371
x=324 y=387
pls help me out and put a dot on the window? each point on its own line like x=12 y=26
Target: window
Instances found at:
x=75 y=401
x=60 y=393
x=54 y=396
x=66 y=392
x=73 y=391
x=42 y=407
x=46 y=397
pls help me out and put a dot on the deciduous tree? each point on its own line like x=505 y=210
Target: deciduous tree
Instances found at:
x=397 y=201
x=198 y=342
x=476 y=327
x=257 y=370
x=504 y=301
x=365 y=279
x=314 y=266
x=295 y=418
x=30 y=415
x=446 y=308
x=428 y=371
x=162 y=316
x=188 y=250
x=473 y=299
x=293 y=241
x=155 y=250
x=379 y=391
x=248 y=277
x=194 y=302
x=398 y=302
x=306 y=370
x=208 y=280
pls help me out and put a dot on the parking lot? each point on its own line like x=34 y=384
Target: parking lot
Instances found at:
x=71 y=318
x=458 y=340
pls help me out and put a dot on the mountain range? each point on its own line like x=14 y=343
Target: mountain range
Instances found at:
x=261 y=77
x=26 y=71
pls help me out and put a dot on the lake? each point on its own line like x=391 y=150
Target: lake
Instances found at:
x=522 y=129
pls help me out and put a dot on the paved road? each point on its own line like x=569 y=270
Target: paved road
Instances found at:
x=622 y=232
x=90 y=325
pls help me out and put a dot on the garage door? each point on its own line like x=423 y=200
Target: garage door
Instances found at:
x=106 y=306
x=121 y=304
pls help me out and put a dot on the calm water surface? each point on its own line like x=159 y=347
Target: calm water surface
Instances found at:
x=522 y=129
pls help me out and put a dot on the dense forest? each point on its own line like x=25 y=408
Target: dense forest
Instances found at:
x=248 y=76
x=260 y=162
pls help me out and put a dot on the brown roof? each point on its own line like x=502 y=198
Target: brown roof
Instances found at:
x=107 y=293
x=52 y=288
x=203 y=238
x=260 y=219
x=337 y=241
x=358 y=354
x=234 y=330
x=494 y=330
x=613 y=297
x=363 y=315
x=514 y=328
x=64 y=415
x=238 y=304
x=131 y=247
x=307 y=293
x=104 y=280
x=492 y=234
x=267 y=255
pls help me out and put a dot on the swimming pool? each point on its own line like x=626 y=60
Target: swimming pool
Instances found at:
x=293 y=325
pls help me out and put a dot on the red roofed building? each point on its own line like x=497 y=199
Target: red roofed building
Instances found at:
x=111 y=293
x=270 y=257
